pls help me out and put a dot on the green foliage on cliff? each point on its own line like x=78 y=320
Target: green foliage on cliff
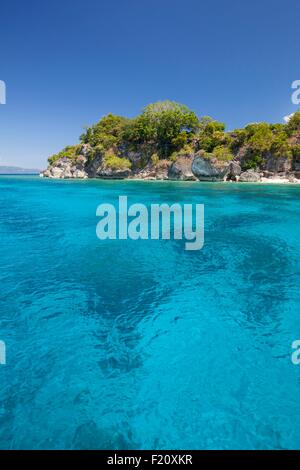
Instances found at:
x=296 y=151
x=293 y=123
x=259 y=137
x=108 y=132
x=253 y=162
x=115 y=163
x=280 y=145
x=166 y=129
x=71 y=152
x=211 y=134
x=223 y=153
x=260 y=141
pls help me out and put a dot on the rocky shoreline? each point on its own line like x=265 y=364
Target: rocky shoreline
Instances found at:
x=187 y=167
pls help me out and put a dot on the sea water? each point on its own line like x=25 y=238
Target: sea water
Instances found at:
x=140 y=344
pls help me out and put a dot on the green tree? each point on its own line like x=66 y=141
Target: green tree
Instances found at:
x=108 y=132
x=166 y=126
x=280 y=146
x=211 y=134
x=259 y=137
x=293 y=124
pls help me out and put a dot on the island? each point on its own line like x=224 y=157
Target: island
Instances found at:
x=168 y=141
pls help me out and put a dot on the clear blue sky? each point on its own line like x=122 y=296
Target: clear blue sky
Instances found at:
x=66 y=63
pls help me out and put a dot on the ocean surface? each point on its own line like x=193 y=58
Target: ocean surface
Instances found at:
x=124 y=344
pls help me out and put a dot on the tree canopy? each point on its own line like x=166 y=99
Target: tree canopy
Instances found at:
x=165 y=129
x=165 y=125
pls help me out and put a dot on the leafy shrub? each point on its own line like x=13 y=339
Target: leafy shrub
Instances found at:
x=154 y=159
x=296 y=151
x=223 y=153
x=293 y=124
x=252 y=163
x=71 y=152
x=116 y=163
x=262 y=140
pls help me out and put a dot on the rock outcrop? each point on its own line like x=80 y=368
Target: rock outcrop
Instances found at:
x=66 y=168
x=151 y=171
x=181 y=169
x=297 y=165
x=83 y=167
x=209 y=169
x=234 y=171
x=97 y=168
x=278 y=164
x=110 y=173
x=249 y=176
x=187 y=167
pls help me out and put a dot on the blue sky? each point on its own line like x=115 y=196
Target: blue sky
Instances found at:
x=66 y=63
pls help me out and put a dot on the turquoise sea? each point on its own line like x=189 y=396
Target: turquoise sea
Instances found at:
x=142 y=344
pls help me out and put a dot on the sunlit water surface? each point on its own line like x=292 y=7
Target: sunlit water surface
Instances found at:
x=142 y=344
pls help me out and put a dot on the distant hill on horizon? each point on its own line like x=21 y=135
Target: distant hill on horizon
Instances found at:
x=16 y=170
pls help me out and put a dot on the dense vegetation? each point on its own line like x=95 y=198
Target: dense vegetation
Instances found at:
x=167 y=129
